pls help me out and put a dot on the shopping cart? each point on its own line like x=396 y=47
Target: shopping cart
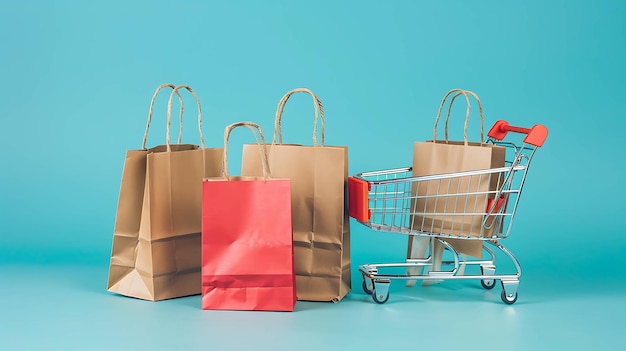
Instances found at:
x=391 y=201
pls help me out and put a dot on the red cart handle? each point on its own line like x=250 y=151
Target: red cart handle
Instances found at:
x=534 y=136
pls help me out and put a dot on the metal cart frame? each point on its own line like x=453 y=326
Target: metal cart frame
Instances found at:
x=395 y=201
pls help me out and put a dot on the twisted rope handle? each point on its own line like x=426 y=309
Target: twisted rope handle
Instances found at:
x=319 y=114
x=169 y=115
x=480 y=112
x=465 y=93
x=262 y=147
x=182 y=108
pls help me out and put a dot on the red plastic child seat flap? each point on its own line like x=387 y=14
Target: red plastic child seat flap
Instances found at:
x=358 y=206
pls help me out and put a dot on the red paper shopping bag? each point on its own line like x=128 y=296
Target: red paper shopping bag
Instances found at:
x=247 y=240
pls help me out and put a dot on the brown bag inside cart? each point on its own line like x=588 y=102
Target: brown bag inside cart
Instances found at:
x=457 y=209
x=321 y=230
x=157 y=234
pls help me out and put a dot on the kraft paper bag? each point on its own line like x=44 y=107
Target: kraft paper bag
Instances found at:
x=157 y=234
x=321 y=226
x=247 y=242
x=444 y=156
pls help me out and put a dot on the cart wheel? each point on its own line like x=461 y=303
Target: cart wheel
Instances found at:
x=488 y=283
x=365 y=289
x=379 y=299
x=509 y=300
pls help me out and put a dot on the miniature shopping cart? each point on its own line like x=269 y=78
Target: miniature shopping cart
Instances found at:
x=395 y=201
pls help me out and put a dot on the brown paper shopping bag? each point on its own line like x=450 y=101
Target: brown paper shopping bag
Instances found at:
x=321 y=227
x=443 y=214
x=157 y=240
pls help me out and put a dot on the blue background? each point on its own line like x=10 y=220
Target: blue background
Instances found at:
x=77 y=78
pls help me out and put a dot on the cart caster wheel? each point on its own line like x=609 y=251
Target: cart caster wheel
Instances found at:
x=509 y=300
x=365 y=289
x=488 y=283
x=379 y=299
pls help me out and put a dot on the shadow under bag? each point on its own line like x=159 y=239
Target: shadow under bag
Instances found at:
x=157 y=236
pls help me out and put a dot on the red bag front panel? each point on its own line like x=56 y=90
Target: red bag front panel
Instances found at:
x=247 y=245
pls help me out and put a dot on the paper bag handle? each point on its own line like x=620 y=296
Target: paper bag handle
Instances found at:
x=480 y=112
x=467 y=113
x=182 y=107
x=261 y=143
x=169 y=115
x=319 y=113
